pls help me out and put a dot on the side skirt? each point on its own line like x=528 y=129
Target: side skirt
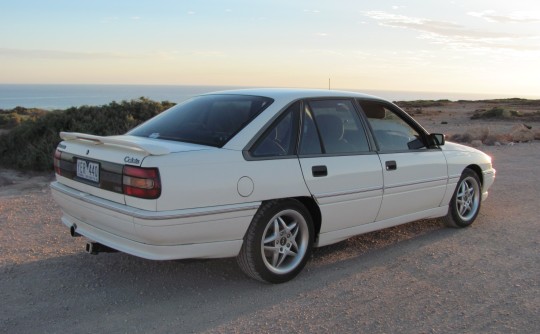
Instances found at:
x=339 y=235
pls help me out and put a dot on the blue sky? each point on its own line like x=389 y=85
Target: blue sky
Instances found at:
x=454 y=46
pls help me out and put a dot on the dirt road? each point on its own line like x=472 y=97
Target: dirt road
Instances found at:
x=417 y=278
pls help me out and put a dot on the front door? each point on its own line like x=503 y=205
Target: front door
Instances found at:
x=415 y=175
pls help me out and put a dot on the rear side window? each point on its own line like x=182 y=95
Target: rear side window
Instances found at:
x=336 y=124
x=280 y=138
x=207 y=120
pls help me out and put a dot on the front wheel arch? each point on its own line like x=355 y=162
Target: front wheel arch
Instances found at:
x=478 y=171
x=466 y=201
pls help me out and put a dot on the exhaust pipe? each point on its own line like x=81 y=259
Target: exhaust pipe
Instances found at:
x=95 y=248
x=73 y=232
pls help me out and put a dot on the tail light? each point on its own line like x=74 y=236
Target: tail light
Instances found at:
x=57 y=158
x=141 y=182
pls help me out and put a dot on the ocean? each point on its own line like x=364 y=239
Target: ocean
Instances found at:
x=56 y=96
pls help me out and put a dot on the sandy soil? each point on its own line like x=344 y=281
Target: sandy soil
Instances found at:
x=455 y=117
x=416 y=278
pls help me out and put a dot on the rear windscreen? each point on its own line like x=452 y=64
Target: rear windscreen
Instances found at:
x=207 y=120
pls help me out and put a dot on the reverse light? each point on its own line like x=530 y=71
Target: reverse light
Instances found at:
x=141 y=182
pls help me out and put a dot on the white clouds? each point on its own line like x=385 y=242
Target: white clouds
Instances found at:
x=456 y=35
x=312 y=11
x=514 y=17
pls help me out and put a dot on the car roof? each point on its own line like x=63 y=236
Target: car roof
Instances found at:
x=294 y=93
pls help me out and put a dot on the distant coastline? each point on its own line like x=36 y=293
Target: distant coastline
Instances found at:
x=57 y=96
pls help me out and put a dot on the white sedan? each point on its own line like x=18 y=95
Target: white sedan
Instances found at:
x=263 y=175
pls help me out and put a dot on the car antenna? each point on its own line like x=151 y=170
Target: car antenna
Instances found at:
x=329 y=84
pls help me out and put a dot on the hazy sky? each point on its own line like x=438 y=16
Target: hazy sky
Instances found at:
x=446 y=46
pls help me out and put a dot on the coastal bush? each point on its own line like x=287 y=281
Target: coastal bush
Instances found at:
x=495 y=112
x=12 y=118
x=31 y=144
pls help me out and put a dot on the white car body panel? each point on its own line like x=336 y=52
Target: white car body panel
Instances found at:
x=339 y=235
x=216 y=173
x=143 y=231
x=210 y=195
x=417 y=184
x=460 y=156
x=353 y=184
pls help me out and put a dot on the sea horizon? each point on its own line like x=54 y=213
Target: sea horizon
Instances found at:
x=63 y=96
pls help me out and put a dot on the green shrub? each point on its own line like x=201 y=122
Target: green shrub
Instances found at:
x=31 y=145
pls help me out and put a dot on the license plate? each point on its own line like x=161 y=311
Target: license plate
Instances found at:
x=88 y=170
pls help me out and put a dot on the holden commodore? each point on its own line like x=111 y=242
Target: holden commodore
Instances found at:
x=263 y=175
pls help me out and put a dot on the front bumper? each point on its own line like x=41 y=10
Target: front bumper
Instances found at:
x=212 y=232
x=488 y=177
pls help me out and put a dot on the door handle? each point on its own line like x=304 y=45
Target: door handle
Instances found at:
x=391 y=165
x=319 y=171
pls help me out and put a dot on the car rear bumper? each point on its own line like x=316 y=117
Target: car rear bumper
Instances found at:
x=212 y=232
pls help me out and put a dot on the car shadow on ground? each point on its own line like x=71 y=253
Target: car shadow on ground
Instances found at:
x=118 y=285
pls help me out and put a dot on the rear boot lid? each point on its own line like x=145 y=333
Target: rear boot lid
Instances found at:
x=95 y=164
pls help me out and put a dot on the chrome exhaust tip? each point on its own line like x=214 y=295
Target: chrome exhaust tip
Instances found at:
x=72 y=231
x=95 y=248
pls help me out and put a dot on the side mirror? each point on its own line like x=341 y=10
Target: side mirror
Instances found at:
x=437 y=138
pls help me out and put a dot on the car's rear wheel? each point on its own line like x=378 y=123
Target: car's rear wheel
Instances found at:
x=465 y=203
x=278 y=242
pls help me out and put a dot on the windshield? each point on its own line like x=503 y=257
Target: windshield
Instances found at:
x=208 y=120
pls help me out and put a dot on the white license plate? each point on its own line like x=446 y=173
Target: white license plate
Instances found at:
x=88 y=170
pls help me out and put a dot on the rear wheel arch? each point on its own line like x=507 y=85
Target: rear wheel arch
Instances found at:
x=278 y=242
x=315 y=213
x=311 y=205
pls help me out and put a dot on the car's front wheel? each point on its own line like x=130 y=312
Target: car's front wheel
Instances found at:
x=278 y=242
x=465 y=203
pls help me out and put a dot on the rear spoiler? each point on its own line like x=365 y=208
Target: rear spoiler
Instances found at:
x=114 y=140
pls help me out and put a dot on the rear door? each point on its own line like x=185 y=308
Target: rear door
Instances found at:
x=341 y=171
x=415 y=175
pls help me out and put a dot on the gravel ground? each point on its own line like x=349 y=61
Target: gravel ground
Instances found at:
x=416 y=278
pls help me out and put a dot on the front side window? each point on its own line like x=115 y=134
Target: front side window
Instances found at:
x=337 y=125
x=207 y=120
x=391 y=132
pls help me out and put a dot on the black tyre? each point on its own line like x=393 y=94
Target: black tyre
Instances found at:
x=278 y=242
x=465 y=203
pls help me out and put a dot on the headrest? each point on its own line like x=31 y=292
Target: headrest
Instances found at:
x=373 y=109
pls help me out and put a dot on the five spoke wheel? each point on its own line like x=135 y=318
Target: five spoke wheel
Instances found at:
x=285 y=241
x=467 y=198
x=465 y=203
x=278 y=241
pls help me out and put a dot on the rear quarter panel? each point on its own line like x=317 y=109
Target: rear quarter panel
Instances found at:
x=210 y=178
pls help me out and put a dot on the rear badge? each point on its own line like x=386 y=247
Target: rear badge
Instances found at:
x=131 y=160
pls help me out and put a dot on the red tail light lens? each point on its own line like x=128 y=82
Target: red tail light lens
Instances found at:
x=141 y=182
x=57 y=158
